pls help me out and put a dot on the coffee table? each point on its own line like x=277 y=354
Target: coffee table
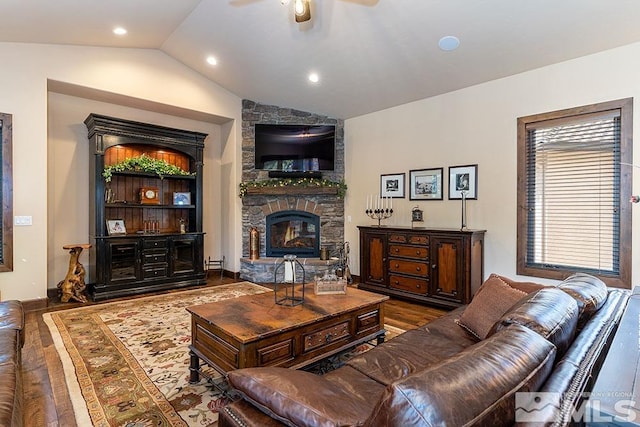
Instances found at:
x=252 y=330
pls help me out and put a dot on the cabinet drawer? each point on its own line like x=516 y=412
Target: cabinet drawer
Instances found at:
x=409 y=284
x=155 y=243
x=154 y=257
x=160 y=271
x=409 y=238
x=409 y=251
x=408 y=267
x=326 y=336
x=397 y=238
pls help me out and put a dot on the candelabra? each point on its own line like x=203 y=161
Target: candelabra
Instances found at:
x=379 y=208
x=379 y=214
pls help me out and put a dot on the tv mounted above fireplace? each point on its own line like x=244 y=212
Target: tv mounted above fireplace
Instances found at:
x=295 y=150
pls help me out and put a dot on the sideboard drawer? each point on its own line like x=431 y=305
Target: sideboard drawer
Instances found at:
x=408 y=267
x=416 y=252
x=409 y=284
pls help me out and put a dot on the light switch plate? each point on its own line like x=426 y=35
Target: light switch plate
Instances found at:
x=22 y=220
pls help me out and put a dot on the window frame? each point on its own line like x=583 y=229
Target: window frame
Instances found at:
x=6 y=258
x=625 y=107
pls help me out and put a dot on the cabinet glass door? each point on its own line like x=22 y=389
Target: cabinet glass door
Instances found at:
x=184 y=256
x=123 y=257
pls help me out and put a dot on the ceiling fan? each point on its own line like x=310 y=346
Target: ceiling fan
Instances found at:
x=302 y=8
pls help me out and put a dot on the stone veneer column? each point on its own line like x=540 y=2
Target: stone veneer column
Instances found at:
x=330 y=208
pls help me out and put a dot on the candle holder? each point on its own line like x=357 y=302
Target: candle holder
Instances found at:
x=287 y=291
x=463 y=225
x=379 y=214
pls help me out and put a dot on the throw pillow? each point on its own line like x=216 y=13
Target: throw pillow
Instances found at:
x=492 y=300
x=527 y=287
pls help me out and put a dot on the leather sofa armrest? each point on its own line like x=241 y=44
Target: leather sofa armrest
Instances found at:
x=457 y=392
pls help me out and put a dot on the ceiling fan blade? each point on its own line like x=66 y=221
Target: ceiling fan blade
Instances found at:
x=240 y=3
x=363 y=2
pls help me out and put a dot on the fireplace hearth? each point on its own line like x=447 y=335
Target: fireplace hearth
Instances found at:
x=292 y=232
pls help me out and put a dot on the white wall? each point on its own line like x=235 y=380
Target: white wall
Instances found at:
x=141 y=75
x=477 y=125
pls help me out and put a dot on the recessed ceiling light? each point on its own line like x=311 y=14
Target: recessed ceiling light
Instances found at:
x=119 y=31
x=314 y=78
x=211 y=60
x=448 y=43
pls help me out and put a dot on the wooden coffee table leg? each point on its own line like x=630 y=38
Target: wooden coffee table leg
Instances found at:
x=194 y=368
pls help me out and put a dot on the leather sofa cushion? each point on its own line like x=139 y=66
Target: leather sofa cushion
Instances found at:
x=414 y=350
x=589 y=292
x=10 y=392
x=12 y=317
x=9 y=347
x=477 y=386
x=491 y=301
x=299 y=398
x=549 y=312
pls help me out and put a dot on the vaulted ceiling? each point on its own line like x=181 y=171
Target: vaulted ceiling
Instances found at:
x=368 y=54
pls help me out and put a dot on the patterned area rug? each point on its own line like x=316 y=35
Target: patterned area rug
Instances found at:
x=127 y=363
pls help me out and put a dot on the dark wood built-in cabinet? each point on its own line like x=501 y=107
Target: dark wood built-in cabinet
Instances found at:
x=435 y=266
x=155 y=253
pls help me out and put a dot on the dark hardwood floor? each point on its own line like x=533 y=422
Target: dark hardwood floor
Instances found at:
x=46 y=400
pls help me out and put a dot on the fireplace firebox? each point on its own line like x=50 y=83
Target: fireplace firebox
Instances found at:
x=292 y=232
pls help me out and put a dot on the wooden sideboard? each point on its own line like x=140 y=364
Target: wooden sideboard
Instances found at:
x=433 y=266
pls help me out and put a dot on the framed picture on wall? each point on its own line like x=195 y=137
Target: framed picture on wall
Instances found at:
x=392 y=185
x=425 y=184
x=463 y=178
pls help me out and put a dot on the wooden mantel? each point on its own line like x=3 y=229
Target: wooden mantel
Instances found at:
x=290 y=191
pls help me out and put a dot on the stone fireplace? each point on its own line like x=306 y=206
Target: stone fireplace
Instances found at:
x=318 y=212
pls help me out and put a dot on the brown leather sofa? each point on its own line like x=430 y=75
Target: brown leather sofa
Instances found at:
x=11 y=342
x=465 y=368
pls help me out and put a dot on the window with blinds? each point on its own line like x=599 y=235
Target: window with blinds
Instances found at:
x=574 y=193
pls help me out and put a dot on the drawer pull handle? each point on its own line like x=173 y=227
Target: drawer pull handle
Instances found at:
x=418 y=252
x=328 y=338
x=418 y=269
x=397 y=250
x=397 y=265
x=418 y=286
x=397 y=283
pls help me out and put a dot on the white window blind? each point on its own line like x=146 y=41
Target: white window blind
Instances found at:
x=573 y=193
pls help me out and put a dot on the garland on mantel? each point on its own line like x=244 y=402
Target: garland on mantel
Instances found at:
x=295 y=182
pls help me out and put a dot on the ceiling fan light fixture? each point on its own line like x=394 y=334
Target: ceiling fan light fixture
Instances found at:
x=302 y=11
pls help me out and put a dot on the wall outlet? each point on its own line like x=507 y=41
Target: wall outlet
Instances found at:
x=22 y=220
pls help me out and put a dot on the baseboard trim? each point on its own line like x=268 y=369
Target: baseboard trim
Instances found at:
x=35 y=304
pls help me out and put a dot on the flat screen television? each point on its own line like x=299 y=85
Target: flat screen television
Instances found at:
x=295 y=148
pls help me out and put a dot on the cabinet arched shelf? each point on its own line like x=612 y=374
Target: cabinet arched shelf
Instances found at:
x=140 y=261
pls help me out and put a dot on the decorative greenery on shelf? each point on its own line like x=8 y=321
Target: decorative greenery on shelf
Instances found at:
x=295 y=182
x=144 y=163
